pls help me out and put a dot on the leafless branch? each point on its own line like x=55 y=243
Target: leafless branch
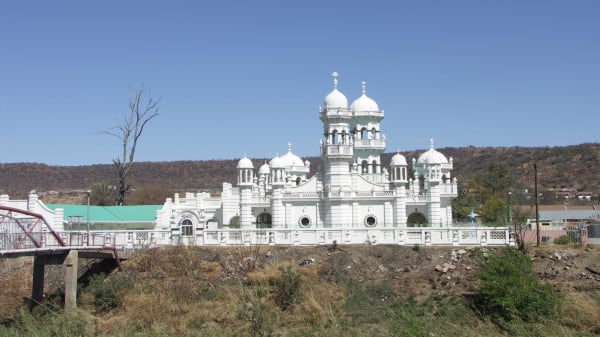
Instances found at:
x=129 y=134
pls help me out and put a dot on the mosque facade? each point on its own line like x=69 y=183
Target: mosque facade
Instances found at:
x=350 y=190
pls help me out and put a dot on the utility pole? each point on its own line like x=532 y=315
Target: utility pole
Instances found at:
x=88 y=216
x=510 y=222
x=537 y=213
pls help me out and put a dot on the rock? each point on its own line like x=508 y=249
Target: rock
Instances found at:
x=445 y=267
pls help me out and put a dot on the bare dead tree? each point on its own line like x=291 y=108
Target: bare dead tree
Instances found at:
x=129 y=134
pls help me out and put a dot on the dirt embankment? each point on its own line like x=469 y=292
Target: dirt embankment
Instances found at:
x=420 y=272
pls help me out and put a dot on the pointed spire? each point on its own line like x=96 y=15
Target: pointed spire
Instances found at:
x=335 y=76
x=364 y=87
x=290 y=147
x=431 y=143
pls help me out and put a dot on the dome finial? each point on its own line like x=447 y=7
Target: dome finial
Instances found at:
x=290 y=147
x=431 y=142
x=335 y=76
x=364 y=87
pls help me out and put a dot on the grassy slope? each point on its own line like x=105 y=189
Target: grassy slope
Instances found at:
x=355 y=291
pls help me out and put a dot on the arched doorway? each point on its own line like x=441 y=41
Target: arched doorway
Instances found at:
x=416 y=219
x=263 y=220
x=234 y=222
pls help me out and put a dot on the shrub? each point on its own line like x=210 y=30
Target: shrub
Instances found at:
x=333 y=247
x=509 y=288
x=108 y=293
x=287 y=288
x=563 y=240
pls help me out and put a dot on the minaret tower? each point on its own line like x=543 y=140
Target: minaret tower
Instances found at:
x=278 y=185
x=336 y=145
x=336 y=156
x=429 y=166
x=369 y=143
x=399 y=178
x=245 y=182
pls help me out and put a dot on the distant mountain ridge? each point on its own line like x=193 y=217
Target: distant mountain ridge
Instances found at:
x=559 y=167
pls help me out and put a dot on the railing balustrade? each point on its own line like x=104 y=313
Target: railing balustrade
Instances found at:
x=426 y=236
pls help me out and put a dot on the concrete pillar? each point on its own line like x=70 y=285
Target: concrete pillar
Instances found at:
x=71 y=280
x=37 y=289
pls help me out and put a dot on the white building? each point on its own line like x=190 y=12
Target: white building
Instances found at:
x=351 y=189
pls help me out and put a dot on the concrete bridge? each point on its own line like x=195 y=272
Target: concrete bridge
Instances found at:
x=25 y=233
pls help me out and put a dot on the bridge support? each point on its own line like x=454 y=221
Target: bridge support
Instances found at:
x=37 y=292
x=69 y=259
x=71 y=280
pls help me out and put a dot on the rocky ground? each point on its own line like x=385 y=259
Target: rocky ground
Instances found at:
x=424 y=271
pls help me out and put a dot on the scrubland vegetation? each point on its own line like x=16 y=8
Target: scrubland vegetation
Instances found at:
x=347 y=291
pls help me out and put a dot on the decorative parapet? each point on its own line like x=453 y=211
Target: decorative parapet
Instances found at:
x=407 y=236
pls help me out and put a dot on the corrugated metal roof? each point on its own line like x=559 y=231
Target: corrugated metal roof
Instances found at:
x=568 y=214
x=107 y=214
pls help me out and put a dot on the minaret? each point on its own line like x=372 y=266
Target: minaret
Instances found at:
x=369 y=143
x=245 y=182
x=433 y=180
x=399 y=179
x=336 y=147
x=278 y=185
x=336 y=156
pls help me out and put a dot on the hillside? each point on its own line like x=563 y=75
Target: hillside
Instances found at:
x=343 y=291
x=558 y=167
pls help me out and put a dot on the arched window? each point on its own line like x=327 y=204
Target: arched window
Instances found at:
x=335 y=137
x=186 y=227
x=364 y=166
x=375 y=167
x=364 y=133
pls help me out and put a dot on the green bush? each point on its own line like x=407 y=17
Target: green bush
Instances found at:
x=108 y=292
x=288 y=288
x=509 y=288
x=563 y=240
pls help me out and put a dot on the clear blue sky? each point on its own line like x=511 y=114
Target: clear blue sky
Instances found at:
x=246 y=77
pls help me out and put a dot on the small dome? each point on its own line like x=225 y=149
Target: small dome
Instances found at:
x=277 y=162
x=291 y=159
x=364 y=102
x=264 y=169
x=398 y=160
x=335 y=99
x=245 y=163
x=432 y=156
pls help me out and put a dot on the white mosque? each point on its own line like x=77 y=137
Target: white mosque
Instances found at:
x=351 y=189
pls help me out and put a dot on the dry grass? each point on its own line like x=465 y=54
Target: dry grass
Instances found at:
x=15 y=278
x=179 y=291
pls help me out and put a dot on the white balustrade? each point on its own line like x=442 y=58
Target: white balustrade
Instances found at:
x=143 y=239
